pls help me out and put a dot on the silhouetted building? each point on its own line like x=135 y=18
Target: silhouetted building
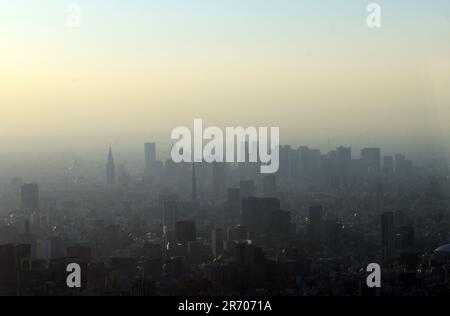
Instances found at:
x=110 y=169
x=371 y=159
x=217 y=242
x=344 y=154
x=169 y=218
x=388 y=165
x=403 y=167
x=150 y=156
x=310 y=161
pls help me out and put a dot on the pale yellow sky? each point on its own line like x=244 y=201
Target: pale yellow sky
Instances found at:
x=315 y=78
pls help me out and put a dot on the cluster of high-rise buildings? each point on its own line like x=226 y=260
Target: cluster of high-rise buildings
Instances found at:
x=226 y=229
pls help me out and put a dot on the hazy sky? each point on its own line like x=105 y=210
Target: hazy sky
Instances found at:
x=137 y=69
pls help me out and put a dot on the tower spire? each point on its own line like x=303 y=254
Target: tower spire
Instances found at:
x=110 y=169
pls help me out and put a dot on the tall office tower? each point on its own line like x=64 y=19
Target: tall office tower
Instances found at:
x=185 y=232
x=399 y=163
x=285 y=156
x=344 y=154
x=315 y=226
x=219 y=179
x=371 y=159
x=247 y=189
x=217 y=242
x=194 y=183
x=150 y=156
x=403 y=167
x=248 y=151
x=388 y=164
x=30 y=197
x=294 y=164
x=341 y=165
x=110 y=169
x=16 y=184
x=169 y=217
x=387 y=237
x=257 y=212
x=270 y=186
x=310 y=160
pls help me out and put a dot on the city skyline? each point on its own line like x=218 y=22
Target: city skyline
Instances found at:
x=225 y=150
x=150 y=155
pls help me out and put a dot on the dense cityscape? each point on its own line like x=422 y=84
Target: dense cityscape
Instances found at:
x=224 y=229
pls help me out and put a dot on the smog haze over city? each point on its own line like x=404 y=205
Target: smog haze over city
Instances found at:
x=93 y=200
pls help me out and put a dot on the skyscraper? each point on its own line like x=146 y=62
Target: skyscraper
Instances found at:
x=388 y=165
x=110 y=169
x=387 y=237
x=169 y=217
x=150 y=156
x=371 y=159
x=30 y=197
x=217 y=242
x=403 y=167
x=344 y=154
x=309 y=162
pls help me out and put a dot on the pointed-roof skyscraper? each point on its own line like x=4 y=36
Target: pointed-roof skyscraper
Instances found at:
x=110 y=169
